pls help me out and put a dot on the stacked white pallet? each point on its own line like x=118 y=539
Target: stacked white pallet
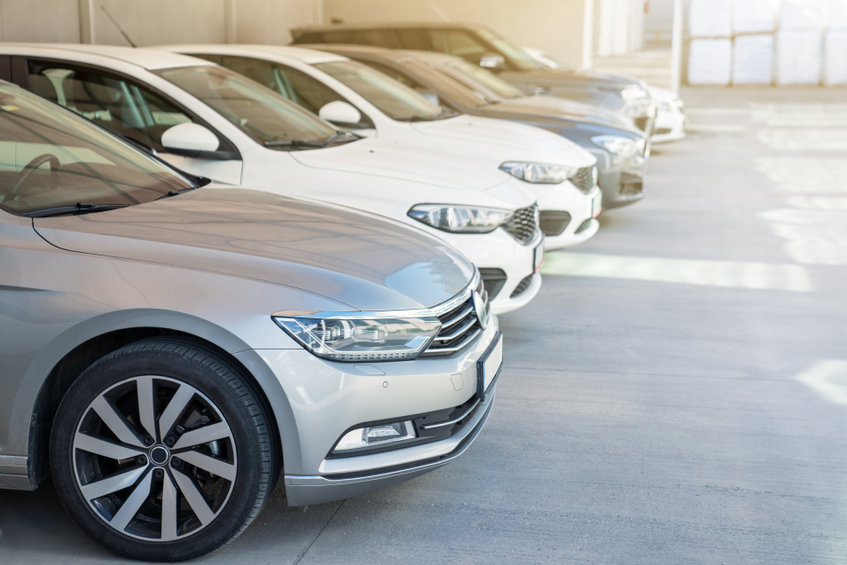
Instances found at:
x=710 y=61
x=799 y=56
x=799 y=42
x=710 y=49
x=835 y=57
x=835 y=43
x=754 y=16
x=752 y=59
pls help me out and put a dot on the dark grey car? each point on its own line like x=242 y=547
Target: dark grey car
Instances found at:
x=621 y=151
x=482 y=46
x=167 y=351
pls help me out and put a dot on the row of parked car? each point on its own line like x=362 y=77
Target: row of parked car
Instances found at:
x=171 y=344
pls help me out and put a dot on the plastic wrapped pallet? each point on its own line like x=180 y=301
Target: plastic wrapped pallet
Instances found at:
x=710 y=18
x=754 y=16
x=709 y=61
x=802 y=14
x=835 y=57
x=799 y=56
x=752 y=59
x=836 y=14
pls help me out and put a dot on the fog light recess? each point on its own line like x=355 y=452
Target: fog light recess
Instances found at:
x=374 y=436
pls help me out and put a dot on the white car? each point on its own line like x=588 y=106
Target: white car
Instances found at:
x=357 y=97
x=670 y=119
x=213 y=122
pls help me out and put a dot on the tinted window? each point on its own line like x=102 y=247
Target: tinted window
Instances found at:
x=51 y=158
x=116 y=103
x=259 y=112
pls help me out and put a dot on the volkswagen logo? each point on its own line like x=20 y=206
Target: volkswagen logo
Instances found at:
x=479 y=308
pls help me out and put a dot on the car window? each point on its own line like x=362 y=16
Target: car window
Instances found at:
x=51 y=158
x=259 y=112
x=393 y=98
x=468 y=73
x=459 y=43
x=515 y=57
x=379 y=37
x=123 y=106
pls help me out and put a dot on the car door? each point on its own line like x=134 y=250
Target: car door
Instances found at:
x=130 y=109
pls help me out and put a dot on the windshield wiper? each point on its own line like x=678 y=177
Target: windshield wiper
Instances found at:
x=186 y=189
x=342 y=136
x=78 y=208
x=293 y=143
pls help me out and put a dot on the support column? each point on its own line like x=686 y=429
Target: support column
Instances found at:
x=86 y=21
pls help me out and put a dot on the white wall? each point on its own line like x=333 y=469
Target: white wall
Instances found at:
x=554 y=26
x=151 y=22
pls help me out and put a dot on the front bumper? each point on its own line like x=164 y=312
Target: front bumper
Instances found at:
x=621 y=179
x=670 y=124
x=568 y=214
x=327 y=399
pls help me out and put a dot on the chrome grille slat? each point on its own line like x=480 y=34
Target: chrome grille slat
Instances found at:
x=459 y=323
x=523 y=224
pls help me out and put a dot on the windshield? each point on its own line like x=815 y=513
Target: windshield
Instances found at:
x=51 y=158
x=489 y=80
x=393 y=98
x=264 y=115
x=514 y=54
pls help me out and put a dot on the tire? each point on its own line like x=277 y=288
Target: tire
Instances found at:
x=161 y=451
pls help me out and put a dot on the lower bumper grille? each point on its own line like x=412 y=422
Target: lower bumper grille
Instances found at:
x=631 y=184
x=493 y=279
x=554 y=222
x=583 y=226
x=522 y=286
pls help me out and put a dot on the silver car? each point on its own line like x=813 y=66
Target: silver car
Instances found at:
x=166 y=351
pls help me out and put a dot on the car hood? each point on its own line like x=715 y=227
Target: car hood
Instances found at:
x=573 y=110
x=561 y=124
x=495 y=141
x=584 y=78
x=358 y=260
x=420 y=165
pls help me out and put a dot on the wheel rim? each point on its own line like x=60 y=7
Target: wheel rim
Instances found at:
x=154 y=458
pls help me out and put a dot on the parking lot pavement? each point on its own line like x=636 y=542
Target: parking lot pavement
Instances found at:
x=676 y=394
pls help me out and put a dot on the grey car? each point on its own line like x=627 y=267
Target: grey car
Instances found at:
x=486 y=48
x=167 y=350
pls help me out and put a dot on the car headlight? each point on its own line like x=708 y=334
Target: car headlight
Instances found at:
x=621 y=146
x=460 y=219
x=538 y=173
x=361 y=338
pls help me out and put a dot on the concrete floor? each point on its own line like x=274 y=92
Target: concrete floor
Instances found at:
x=676 y=394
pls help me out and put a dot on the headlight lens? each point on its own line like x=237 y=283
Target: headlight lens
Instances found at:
x=361 y=339
x=460 y=219
x=538 y=173
x=621 y=146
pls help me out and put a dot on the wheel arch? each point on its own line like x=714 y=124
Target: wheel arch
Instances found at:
x=228 y=347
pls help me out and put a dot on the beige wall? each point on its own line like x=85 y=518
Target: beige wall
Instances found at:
x=555 y=26
x=152 y=22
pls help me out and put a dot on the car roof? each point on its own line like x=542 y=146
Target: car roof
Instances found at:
x=352 y=49
x=382 y=25
x=149 y=59
x=308 y=56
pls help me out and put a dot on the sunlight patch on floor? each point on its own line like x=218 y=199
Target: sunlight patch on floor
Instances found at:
x=726 y=274
x=828 y=379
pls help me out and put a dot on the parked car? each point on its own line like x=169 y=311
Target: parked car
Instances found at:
x=484 y=47
x=621 y=152
x=670 y=117
x=670 y=110
x=171 y=350
x=355 y=96
x=212 y=122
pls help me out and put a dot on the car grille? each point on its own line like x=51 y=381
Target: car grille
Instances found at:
x=584 y=179
x=553 y=222
x=493 y=279
x=459 y=324
x=522 y=286
x=523 y=224
x=642 y=122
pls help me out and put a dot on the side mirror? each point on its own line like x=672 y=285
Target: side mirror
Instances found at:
x=340 y=112
x=492 y=61
x=189 y=138
x=429 y=95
